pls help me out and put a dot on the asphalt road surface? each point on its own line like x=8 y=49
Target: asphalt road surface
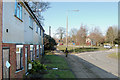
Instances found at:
x=92 y=64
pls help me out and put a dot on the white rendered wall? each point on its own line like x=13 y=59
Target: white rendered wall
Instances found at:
x=15 y=27
x=18 y=32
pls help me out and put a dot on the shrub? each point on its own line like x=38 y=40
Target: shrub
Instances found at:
x=37 y=67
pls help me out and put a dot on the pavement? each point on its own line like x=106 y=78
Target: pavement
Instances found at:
x=92 y=64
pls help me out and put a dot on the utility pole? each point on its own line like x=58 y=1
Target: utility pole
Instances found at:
x=49 y=30
x=67 y=33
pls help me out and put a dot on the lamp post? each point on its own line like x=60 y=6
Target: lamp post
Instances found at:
x=49 y=30
x=67 y=33
x=67 y=30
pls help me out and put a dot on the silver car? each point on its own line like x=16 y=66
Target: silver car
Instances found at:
x=108 y=46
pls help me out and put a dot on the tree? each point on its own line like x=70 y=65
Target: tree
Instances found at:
x=38 y=7
x=81 y=35
x=115 y=32
x=73 y=34
x=61 y=32
x=110 y=37
x=96 y=36
x=49 y=42
x=118 y=37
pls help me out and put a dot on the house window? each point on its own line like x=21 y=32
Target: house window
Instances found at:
x=40 y=31
x=31 y=22
x=33 y=58
x=37 y=29
x=31 y=52
x=43 y=34
x=37 y=51
x=18 y=10
x=19 y=57
x=40 y=49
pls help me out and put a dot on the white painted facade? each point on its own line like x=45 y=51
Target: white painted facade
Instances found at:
x=19 y=32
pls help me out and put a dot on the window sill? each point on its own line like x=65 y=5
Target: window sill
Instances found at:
x=19 y=70
x=18 y=18
x=30 y=27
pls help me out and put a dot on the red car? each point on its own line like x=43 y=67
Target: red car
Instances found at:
x=61 y=43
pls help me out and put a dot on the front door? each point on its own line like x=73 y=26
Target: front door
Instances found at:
x=6 y=63
x=26 y=59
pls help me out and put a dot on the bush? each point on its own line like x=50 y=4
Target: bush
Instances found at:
x=49 y=43
x=37 y=67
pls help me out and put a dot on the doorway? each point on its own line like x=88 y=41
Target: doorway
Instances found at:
x=6 y=62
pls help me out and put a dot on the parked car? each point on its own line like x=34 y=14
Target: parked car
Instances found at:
x=108 y=46
x=61 y=43
x=116 y=45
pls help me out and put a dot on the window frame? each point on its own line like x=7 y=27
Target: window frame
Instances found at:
x=31 y=52
x=20 y=52
x=37 y=49
x=30 y=22
x=18 y=11
x=36 y=28
x=40 y=31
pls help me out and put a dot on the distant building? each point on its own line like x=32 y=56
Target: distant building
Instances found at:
x=21 y=38
x=90 y=41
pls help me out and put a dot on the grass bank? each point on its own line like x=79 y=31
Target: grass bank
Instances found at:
x=54 y=61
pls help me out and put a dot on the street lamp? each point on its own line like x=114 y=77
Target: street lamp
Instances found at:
x=67 y=28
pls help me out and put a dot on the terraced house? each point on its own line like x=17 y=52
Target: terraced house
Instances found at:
x=21 y=38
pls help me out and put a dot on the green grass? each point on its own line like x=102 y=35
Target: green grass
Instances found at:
x=59 y=74
x=62 y=47
x=80 y=49
x=48 y=52
x=54 y=61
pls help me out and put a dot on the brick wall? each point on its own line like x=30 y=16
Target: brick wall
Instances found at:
x=0 y=39
x=13 y=73
x=12 y=47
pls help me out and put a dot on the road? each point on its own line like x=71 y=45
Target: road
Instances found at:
x=92 y=64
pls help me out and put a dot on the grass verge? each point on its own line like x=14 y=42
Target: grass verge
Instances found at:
x=54 y=61
x=114 y=55
x=80 y=49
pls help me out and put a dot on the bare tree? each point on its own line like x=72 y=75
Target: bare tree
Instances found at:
x=38 y=7
x=61 y=32
x=73 y=34
x=81 y=35
x=96 y=36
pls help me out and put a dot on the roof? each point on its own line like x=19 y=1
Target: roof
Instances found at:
x=34 y=15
